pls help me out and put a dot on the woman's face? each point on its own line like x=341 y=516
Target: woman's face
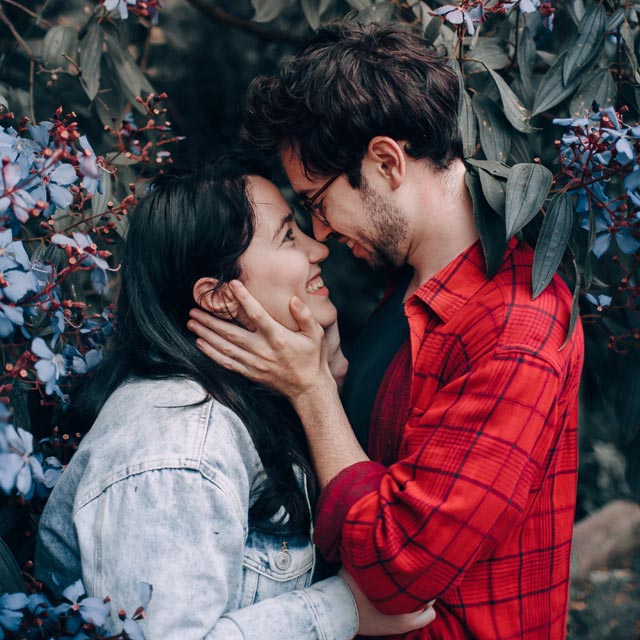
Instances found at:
x=281 y=261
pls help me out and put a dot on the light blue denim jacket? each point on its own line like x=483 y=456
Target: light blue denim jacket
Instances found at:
x=159 y=491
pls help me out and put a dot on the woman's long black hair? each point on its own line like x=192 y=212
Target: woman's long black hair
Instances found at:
x=186 y=228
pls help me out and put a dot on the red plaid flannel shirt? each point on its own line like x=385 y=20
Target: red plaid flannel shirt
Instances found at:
x=477 y=510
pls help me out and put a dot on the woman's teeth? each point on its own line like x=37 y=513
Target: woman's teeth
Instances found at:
x=318 y=284
x=350 y=244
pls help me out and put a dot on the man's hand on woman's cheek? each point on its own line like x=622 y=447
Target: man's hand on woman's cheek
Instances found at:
x=290 y=362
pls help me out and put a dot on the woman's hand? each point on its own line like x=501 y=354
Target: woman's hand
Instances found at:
x=374 y=623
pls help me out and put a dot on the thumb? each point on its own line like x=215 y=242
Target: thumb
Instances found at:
x=302 y=315
x=424 y=617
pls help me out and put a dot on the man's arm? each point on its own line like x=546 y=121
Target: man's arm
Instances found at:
x=409 y=532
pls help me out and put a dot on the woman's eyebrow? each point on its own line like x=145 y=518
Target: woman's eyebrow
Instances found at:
x=283 y=223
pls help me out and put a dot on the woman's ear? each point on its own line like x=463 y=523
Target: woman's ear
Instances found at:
x=216 y=299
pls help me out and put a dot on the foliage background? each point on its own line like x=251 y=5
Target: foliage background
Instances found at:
x=203 y=54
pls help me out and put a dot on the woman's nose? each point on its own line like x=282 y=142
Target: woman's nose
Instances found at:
x=317 y=251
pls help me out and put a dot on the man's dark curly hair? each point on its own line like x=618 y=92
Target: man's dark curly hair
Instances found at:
x=350 y=83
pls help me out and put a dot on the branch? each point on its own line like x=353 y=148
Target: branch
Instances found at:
x=16 y=35
x=219 y=15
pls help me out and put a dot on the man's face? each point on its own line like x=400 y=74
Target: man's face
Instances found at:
x=373 y=227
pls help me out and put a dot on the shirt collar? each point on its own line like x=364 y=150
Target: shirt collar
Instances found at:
x=450 y=289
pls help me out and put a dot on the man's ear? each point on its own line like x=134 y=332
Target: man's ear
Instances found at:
x=388 y=159
x=214 y=298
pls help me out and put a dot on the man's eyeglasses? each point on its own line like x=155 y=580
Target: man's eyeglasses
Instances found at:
x=310 y=205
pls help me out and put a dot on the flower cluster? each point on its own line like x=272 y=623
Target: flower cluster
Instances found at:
x=58 y=212
x=40 y=167
x=142 y=8
x=600 y=166
x=78 y=616
x=472 y=12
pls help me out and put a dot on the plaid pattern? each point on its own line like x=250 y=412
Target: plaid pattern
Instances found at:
x=477 y=511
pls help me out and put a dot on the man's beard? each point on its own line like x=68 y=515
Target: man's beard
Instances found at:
x=388 y=229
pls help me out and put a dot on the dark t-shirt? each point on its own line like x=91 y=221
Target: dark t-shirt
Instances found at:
x=380 y=340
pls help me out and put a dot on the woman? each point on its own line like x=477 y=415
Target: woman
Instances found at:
x=194 y=479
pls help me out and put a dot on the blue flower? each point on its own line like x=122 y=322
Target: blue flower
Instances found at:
x=21 y=201
x=15 y=284
x=92 y=610
x=85 y=247
x=21 y=151
x=121 y=5
x=89 y=167
x=79 y=363
x=10 y=614
x=40 y=132
x=52 y=472
x=456 y=15
x=50 y=368
x=19 y=467
x=12 y=252
x=599 y=301
x=10 y=317
x=58 y=178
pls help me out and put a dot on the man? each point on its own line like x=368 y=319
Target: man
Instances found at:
x=468 y=492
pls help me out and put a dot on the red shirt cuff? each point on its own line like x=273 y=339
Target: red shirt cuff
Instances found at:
x=337 y=498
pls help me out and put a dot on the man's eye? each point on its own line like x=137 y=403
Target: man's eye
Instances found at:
x=289 y=235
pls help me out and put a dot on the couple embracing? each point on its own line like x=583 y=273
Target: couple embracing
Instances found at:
x=232 y=442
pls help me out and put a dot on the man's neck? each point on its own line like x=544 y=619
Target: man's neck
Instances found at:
x=445 y=226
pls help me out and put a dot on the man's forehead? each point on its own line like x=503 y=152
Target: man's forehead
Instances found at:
x=293 y=167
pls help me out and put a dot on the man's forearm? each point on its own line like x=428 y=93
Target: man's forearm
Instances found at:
x=332 y=442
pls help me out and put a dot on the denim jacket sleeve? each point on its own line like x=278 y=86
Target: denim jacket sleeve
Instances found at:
x=193 y=563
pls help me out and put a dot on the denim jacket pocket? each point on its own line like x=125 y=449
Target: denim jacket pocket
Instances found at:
x=274 y=564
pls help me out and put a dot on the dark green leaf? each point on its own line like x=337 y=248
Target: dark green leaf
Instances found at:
x=10 y=577
x=586 y=42
x=552 y=242
x=520 y=149
x=90 y=54
x=498 y=169
x=467 y=124
x=490 y=226
x=597 y=85
x=20 y=406
x=267 y=10
x=432 y=30
x=575 y=307
x=494 y=190
x=526 y=54
x=552 y=90
x=466 y=116
x=495 y=137
x=311 y=12
x=60 y=40
x=628 y=38
x=133 y=81
x=9 y=518
x=615 y=20
x=527 y=189
x=359 y=5
x=514 y=110
x=486 y=55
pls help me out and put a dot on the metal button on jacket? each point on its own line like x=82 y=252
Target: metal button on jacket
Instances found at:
x=283 y=558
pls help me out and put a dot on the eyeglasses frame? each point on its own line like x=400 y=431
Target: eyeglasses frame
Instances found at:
x=308 y=203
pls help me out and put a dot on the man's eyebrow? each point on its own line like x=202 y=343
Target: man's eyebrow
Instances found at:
x=283 y=223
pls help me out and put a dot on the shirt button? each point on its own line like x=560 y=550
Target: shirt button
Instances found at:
x=283 y=560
